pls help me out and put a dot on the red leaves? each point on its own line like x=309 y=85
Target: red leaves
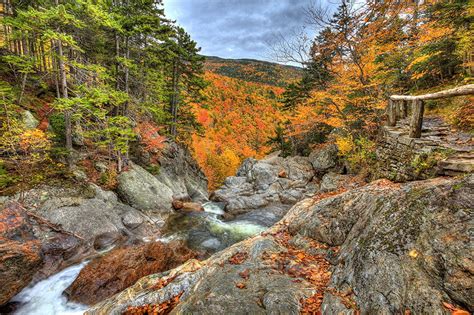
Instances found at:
x=241 y=285
x=163 y=282
x=244 y=274
x=454 y=310
x=300 y=264
x=154 y=309
x=312 y=305
x=150 y=136
x=238 y=258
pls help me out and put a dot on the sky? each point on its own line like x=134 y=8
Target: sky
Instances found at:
x=237 y=28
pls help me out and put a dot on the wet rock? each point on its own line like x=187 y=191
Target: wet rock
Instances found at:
x=20 y=252
x=132 y=219
x=395 y=245
x=107 y=240
x=212 y=243
x=60 y=251
x=191 y=206
x=144 y=191
x=324 y=158
x=273 y=181
x=121 y=268
x=187 y=206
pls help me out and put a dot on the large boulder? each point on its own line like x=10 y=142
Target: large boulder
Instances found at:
x=324 y=158
x=31 y=249
x=88 y=212
x=398 y=244
x=122 y=267
x=20 y=252
x=144 y=191
x=29 y=120
x=178 y=171
x=380 y=249
x=270 y=183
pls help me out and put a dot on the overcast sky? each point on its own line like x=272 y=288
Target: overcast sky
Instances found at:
x=237 y=28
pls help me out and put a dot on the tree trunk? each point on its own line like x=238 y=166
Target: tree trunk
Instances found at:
x=404 y=109
x=127 y=74
x=23 y=86
x=64 y=92
x=174 y=101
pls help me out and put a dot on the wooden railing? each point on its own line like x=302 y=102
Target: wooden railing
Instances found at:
x=398 y=106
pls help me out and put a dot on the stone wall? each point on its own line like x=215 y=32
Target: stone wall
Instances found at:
x=402 y=159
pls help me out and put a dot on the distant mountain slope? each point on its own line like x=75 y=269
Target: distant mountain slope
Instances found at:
x=254 y=70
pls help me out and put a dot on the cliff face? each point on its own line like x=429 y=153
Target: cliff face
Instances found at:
x=381 y=248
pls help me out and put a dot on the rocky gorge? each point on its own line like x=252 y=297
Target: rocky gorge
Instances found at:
x=285 y=235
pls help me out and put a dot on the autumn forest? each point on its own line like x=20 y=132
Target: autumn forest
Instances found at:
x=118 y=133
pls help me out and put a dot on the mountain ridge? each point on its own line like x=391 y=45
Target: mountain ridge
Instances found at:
x=253 y=70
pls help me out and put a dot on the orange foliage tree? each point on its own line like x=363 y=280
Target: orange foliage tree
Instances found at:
x=238 y=118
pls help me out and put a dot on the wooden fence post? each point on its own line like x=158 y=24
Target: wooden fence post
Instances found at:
x=392 y=113
x=404 y=105
x=416 y=118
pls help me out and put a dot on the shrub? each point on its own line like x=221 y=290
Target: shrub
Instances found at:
x=6 y=179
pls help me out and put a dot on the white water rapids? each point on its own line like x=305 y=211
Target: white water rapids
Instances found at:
x=46 y=297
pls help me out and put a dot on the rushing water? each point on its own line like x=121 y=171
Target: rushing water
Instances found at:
x=202 y=230
x=206 y=231
x=45 y=297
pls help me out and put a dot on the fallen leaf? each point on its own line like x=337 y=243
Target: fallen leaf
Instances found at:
x=413 y=253
x=244 y=274
x=241 y=285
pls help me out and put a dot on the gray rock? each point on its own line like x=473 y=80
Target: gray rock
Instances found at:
x=180 y=172
x=132 y=219
x=291 y=196
x=235 y=181
x=101 y=167
x=77 y=135
x=247 y=202
x=402 y=247
x=259 y=184
x=333 y=305
x=212 y=243
x=144 y=191
x=29 y=120
x=332 y=181
x=324 y=158
x=93 y=214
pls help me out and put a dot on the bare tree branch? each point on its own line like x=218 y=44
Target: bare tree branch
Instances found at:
x=294 y=48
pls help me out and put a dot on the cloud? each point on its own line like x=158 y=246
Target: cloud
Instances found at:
x=237 y=28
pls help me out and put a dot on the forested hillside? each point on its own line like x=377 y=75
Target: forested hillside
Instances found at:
x=362 y=55
x=93 y=76
x=238 y=119
x=254 y=70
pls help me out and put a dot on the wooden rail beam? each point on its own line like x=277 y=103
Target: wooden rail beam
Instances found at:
x=458 y=91
x=398 y=106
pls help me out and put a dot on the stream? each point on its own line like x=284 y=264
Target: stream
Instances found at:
x=203 y=231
